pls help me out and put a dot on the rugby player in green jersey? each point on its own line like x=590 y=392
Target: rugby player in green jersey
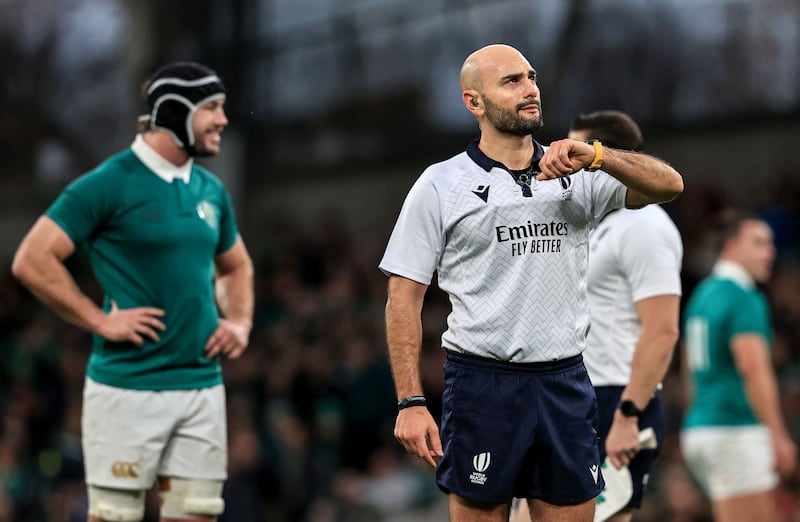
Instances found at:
x=162 y=239
x=734 y=438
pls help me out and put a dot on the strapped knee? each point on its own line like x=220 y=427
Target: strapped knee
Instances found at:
x=116 y=505
x=187 y=497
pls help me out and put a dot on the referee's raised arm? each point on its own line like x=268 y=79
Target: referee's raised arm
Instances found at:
x=649 y=179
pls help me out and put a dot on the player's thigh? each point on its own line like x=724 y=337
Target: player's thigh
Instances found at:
x=124 y=433
x=745 y=508
x=197 y=448
x=542 y=511
x=730 y=461
x=464 y=510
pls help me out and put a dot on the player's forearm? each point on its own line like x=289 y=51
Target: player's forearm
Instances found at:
x=48 y=279
x=404 y=338
x=762 y=390
x=652 y=178
x=235 y=294
x=651 y=360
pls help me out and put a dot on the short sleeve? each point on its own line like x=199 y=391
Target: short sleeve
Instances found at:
x=651 y=253
x=82 y=207
x=751 y=315
x=417 y=240
x=608 y=193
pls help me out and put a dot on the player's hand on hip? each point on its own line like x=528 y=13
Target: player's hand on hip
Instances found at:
x=132 y=324
x=416 y=430
x=622 y=442
x=565 y=157
x=229 y=340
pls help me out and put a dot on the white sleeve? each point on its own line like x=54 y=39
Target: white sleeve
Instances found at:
x=608 y=193
x=417 y=241
x=651 y=256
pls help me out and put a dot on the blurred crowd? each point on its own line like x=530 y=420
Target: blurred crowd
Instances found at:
x=312 y=404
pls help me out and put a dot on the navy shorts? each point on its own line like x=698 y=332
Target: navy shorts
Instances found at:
x=608 y=398
x=519 y=430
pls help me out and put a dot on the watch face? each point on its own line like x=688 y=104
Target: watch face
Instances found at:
x=629 y=409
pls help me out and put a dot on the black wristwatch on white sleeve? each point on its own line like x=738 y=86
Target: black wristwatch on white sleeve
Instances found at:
x=628 y=409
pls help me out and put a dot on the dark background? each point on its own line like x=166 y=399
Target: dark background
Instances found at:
x=335 y=108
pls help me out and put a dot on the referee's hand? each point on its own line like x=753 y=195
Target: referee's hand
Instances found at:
x=416 y=430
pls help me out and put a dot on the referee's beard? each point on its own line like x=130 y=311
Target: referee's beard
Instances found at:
x=510 y=121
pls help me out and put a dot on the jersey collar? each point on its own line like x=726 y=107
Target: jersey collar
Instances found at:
x=735 y=272
x=487 y=163
x=156 y=163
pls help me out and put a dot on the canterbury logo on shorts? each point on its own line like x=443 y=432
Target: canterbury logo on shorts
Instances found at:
x=121 y=469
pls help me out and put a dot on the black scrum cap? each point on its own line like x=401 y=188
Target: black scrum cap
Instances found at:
x=175 y=92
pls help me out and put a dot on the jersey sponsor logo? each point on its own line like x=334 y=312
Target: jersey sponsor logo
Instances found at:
x=482 y=191
x=207 y=213
x=480 y=463
x=122 y=469
x=530 y=229
x=533 y=238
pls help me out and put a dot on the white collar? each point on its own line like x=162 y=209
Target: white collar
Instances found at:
x=160 y=166
x=735 y=272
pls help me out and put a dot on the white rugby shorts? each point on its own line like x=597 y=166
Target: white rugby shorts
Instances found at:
x=130 y=437
x=730 y=461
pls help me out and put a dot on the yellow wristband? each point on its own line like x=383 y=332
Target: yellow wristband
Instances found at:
x=598 y=156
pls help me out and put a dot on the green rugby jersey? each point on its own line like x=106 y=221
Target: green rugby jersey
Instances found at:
x=152 y=243
x=721 y=308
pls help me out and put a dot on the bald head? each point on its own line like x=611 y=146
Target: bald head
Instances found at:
x=493 y=57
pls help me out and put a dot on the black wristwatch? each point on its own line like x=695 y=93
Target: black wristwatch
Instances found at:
x=628 y=409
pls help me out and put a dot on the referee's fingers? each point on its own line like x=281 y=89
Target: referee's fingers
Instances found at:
x=423 y=451
x=435 y=444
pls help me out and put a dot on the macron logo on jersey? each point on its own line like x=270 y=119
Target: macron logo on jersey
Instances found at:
x=482 y=191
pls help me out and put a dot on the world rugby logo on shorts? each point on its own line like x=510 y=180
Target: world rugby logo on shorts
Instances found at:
x=481 y=463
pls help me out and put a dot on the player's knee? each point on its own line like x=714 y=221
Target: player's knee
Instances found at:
x=184 y=498
x=116 y=505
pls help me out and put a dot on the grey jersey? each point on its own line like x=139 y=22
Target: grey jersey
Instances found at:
x=512 y=258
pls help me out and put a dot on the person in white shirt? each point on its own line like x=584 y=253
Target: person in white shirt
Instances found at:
x=635 y=259
x=634 y=290
x=505 y=225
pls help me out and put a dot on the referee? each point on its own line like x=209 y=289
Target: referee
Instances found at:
x=505 y=224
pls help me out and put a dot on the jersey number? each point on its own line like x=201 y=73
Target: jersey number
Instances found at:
x=697 y=357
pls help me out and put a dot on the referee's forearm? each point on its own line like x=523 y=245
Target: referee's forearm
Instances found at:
x=655 y=180
x=404 y=339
